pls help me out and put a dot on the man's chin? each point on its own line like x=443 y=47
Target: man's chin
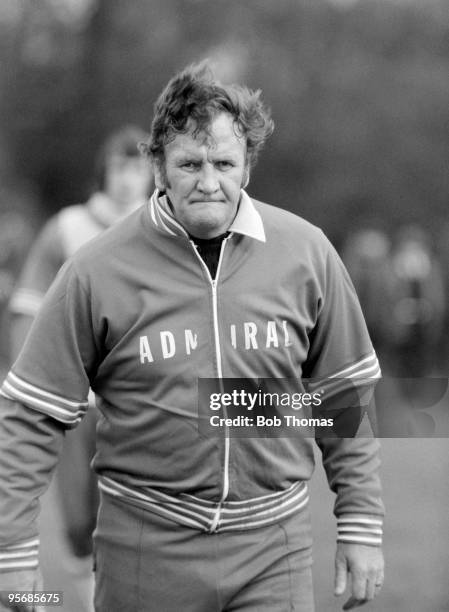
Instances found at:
x=207 y=228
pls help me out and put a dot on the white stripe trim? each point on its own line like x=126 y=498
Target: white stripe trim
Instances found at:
x=224 y=524
x=360 y=373
x=290 y=500
x=43 y=393
x=356 y=519
x=183 y=504
x=160 y=509
x=167 y=229
x=18 y=564
x=32 y=398
x=341 y=383
x=2 y=392
x=348 y=529
x=356 y=365
x=133 y=493
x=72 y=417
x=155 y=502
x=204 y=518
x=269 y=511
x=34 y=542
x=360 y=539
x=272 y=496
x=252 y=524
x=17 y=555
x=366 y=374
x=332 y=380
x=159 y=211
x=162 y=222
x=153 y=216
x=170 y=218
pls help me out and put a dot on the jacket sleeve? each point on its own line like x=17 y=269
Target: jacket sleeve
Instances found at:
x=52 y=372
x=45 y=392
x=343 y=366
x=29 y=445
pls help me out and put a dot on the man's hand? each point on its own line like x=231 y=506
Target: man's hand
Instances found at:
x=366 y=566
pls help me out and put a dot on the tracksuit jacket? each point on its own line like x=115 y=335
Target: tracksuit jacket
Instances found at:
x=136 y=316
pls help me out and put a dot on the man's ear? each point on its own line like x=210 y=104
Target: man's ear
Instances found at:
x=245 y=179
x=159 y=174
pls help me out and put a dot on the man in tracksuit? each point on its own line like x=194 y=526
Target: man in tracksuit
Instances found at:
x=203 y=283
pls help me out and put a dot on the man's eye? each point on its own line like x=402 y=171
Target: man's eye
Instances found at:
x=189 y=165
x=224 y=164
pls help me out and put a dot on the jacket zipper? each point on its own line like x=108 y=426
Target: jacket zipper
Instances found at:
x=213 y=283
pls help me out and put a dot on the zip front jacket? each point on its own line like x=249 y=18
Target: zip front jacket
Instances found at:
x=136 y=316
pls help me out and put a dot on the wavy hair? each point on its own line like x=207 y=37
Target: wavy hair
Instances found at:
x=195 y=96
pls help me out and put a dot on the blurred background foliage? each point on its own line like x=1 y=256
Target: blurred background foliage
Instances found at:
x=359 y=93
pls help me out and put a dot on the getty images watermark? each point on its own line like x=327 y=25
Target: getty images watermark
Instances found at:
x=285 y=407
x=255 y=401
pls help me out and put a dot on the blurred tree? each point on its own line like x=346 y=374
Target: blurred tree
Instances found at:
x=359 y=94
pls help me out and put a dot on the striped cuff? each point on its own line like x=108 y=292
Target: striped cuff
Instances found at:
x=60 y=408
x=20 y=556
x=362 y=373
x=359 y=529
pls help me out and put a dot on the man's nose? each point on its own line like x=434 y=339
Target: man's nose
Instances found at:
x=208 y=179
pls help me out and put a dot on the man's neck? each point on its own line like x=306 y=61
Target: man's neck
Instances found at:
x=209 y=250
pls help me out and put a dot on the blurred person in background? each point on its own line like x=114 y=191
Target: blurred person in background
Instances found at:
x=402 y=291
x=367 y=257
x=442 y=253
x=418 y=307
x=188 y=521
x=14 y=238
x=122 y=184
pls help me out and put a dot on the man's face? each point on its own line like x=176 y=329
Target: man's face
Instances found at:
x=127 y=179
x=203 y=176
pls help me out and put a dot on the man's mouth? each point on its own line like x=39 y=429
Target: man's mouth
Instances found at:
x=206 y=201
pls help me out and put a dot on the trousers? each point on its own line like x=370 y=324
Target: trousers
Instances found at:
x=145 y=562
